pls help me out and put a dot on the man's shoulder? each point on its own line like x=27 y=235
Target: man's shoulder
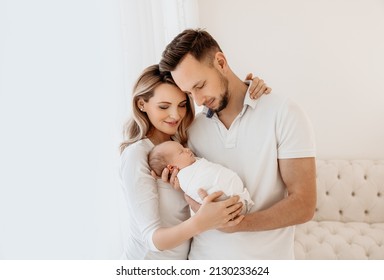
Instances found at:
x=276 y=104
x=274 y=100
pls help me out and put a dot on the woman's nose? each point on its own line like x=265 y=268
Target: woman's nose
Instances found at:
x=175 y=115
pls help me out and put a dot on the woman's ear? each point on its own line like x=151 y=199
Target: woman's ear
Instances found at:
x=140 y=104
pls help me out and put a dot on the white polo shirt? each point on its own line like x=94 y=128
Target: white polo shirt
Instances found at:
x=148 y=206
x=267 y=129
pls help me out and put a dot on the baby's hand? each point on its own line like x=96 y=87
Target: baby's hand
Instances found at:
x=169 y=175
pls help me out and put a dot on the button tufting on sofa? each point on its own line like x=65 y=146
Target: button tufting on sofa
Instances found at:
x=349 y=217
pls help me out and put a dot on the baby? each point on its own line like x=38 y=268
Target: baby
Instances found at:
x=195 y=173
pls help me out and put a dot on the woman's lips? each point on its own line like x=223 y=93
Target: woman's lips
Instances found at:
x=172 y=123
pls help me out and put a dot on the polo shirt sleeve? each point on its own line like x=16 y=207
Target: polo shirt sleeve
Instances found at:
x=294 y=132
x=141 y=192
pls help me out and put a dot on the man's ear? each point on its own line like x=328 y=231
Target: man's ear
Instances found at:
x=221 y=61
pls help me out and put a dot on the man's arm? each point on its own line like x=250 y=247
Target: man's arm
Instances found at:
x=299 y=176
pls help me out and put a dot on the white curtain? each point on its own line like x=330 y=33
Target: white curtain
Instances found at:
x=61 y=83
x=66 y=73
x=148 y=26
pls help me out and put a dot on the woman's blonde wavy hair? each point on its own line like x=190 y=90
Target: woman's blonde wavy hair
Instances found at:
x=138 y=126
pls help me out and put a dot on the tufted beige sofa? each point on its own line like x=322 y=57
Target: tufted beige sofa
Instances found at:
x=349 y=218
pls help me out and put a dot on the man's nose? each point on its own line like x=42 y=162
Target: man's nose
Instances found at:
x=199 y=99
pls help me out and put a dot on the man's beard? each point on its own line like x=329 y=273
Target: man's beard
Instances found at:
x=223 y=102
x=224 y=96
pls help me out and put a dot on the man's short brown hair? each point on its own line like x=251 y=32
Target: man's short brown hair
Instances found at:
x=197 y=42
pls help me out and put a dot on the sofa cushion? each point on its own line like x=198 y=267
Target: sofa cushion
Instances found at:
x=349 y=218
x=350 y=191
x=338 y=240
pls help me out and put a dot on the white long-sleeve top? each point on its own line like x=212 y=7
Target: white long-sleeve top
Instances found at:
x=149 y=205
x=213 y=177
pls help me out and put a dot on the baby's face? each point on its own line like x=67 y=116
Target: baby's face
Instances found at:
x=178 y=155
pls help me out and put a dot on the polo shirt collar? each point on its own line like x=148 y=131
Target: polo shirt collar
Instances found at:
x=248 y=100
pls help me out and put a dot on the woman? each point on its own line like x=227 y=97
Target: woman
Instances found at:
x=160 y=226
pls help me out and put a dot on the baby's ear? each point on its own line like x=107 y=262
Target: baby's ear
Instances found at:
x=170 y=167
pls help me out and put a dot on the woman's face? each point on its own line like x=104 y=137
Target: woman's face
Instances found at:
x=166 y=109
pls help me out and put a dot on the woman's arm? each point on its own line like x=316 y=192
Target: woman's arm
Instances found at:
x=141 y=192
x=142 y=195
x=211 y=215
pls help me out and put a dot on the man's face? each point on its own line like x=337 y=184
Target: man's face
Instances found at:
x=205 y=83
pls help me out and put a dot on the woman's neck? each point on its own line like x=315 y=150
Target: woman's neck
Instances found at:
x=158 y=137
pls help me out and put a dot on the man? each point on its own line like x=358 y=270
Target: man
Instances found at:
x=268 y=142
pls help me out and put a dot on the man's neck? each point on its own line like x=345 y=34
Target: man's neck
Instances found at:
x=237 y=90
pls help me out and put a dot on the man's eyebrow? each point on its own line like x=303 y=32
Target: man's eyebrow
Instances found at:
x=193 y=87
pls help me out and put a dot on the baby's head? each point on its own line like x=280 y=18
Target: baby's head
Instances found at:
x=170 y=154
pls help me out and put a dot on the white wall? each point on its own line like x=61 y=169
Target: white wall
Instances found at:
x=328 y=55
x=60 y=81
